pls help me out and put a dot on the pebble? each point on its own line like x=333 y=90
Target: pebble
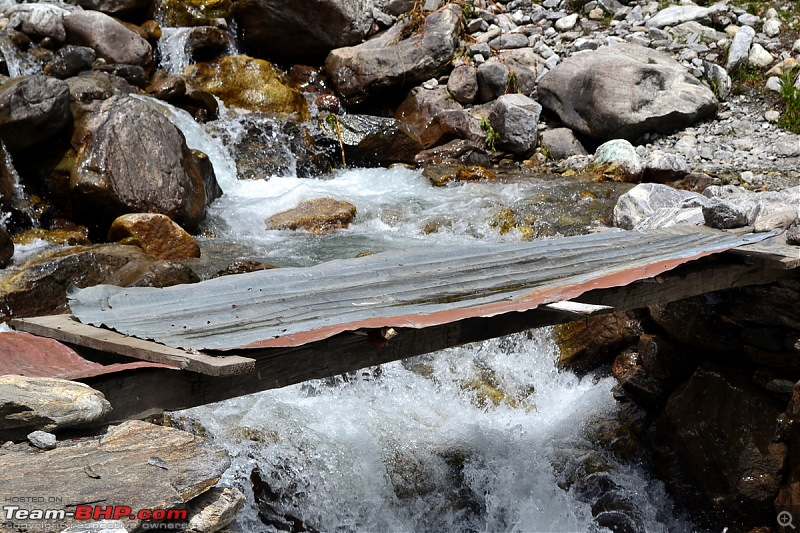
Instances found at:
x=42 y=440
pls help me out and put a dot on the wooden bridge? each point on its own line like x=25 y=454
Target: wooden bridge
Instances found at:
x=246 y=333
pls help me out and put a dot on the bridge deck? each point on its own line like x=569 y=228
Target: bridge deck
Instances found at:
x=284 y=326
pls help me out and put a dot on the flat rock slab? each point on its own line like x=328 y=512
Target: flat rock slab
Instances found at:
x=136 y=464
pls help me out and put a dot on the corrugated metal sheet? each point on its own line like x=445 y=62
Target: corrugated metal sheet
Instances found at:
x=419 y=288
x=28 y=355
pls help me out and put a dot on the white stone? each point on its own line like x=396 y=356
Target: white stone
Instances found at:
x=759 y=57
x=772 y=27
x=774 y=84
x=42 y=440
x=772 y=116
x=740 y=48
x=674 y=15
x=567 y=23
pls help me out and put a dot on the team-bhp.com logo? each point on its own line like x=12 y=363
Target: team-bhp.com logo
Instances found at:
x=15 y=513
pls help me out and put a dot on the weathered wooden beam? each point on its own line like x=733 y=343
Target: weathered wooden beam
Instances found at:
x=64 y=328
x=144 y=392
x=771 y=253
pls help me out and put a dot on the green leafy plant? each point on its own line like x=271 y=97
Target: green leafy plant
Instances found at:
x=790 y=96
x=492 y=137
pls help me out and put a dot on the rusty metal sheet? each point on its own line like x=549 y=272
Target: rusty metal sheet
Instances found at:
x=418 y=288
x=28 y=355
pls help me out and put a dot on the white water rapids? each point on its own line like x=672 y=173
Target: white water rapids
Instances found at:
x=487 y=437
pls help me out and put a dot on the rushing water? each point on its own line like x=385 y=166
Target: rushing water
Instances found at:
x=487 y=437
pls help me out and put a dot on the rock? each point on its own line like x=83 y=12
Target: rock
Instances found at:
x=667 y=217
x=493 y=80
x=214 y=510
x=206 y=43
x=362 y=71
x=149 y=273
x=793 y=234
x=47 y=404
x=507 y=41
x=69 y=61
x=39 y=286
x=624 y=91
x=586 y=344
x=634 y=379
x=42 y=440
x=643 y=200
x=721 y=214
x=100 y=526
x=687 y=30
x=38 y=20
x=515 y=118
x=722 y=430
x=156 y=234
x=618 y=160
x=423 y=110
x=248 y=83
x=109 y=38
x=459 y=151
x=441 y=175
x=788 y=146
x=88 y=87
x=463 y=84
x=32 y=109
x=182 y=13
x=316 y=216
x=718 y=79
x=371 y=141
x=772 y=27
x=301 y=31
x=561 y=143
x=774 y=216
x=135 y=464
x=168 y=179
x=6 y=248
x=661 y=167
x=674 y=15
x=739 y=50
x=118 y=8
x=243 y=266
x=566 y=23
x=759 y=57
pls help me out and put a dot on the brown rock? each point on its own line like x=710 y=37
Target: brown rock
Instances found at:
x=182 y=13
x=32 y=109
x=70 y=237
x=373 y=141
x=475 y=173
x=215 y=509
x=157 y=235
x=108 y=37
x=248 y=83
x=458 y=151
x=316 y=216
x=463 y=84
x=586 y=344
x=420 y=109
x=47 y=404
x=243 y=266
x=135 y=464
x=149 y=273
x=206 y=42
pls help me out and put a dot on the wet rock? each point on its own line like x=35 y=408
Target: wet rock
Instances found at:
x=133 y=74
x=641 y=202
x=6 y=248
x=618 y=160
x=47 y=404
x=586 y=344
x=362 y=71
x=121 y=468
x=69 y=61
x=436 y=118
x=515 y=118
x=739 y=50
x=371 y=141
x=156 y=234
x=697 y=322
x=721 y=214
x=459 y=151
x=32 y=109
x=169 y=89
x=243 y=266
x=88 y=87
x=109 y=38
x=214 y=510
x=624 y=91
x=316 y=216
x=463 y=84
x=206 y=43
x=722 y=430
x=182 y=13
x=561 y=143
x=167 y=179
x=248 y=83
x=302 y=30
x=637 y=383
x=662 y=167
x=149 y=273
x=38 y=21
x=118 y=8
x=42 y=440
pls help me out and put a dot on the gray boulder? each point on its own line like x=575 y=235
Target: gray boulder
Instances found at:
x=108 y=37
x=370 y=141
x=624 y=91
x=493 y=80
x=674 y=15
x=436 y=118
x=661 y=167
x=722 y=214
x=641 y=202
x=32 y=109
x=38 y=20
x=301 y=30
x=739 y=50
x=515 y=117
x=561 y=143
x=463 y=84
x=390 y=61
x=165 y=176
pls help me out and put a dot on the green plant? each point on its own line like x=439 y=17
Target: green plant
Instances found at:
x=790 y=96
x=492 y=137
x=413 y=21
x=512 y=83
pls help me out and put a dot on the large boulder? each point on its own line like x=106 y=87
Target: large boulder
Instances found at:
x=32 y=109
x=248 y=83
x=436 y=118
x=624 y=91
x=369 y=141
x=38 y=20
x=618 y=160
x=317 y=216
x=391 y=61
x=515 y=118
x=296 y=31
x=165 y=176
x=647 y=199
x=156 y=234
x=108 y=37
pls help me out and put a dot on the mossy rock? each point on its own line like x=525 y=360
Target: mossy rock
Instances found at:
x=193 y=12
x=55 y=236
x=249 y=83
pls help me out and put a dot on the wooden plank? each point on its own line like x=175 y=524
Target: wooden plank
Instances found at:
x=772 y=252
x=141 y=393
x=577 y=309
x=64 y=328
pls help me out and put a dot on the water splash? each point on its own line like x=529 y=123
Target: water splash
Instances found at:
x=18 y=62
x=172 y=47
